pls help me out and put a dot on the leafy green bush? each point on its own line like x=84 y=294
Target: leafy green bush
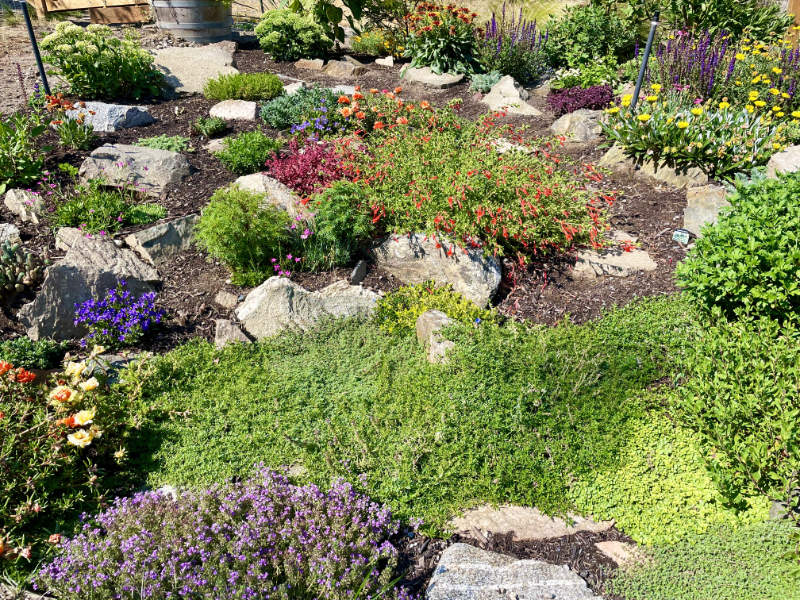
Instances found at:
x=742 y=395
x=285 y=111
x=24 y=352
x=748 y=262
x=398 y=311
x=374 y=42
x=21 y=161
x=601 y=71
x=442 y=38
x=248 y=151
x=551 y=404
x=589 y=32
x=209 y=127
x=173 y=143
x=98 y=65
x=723 y=564
x=660 y=492
x=94 y=208
x=483 y=82
x=287 y=35
x=236 y=228
x=341 y=226
x=243 y=86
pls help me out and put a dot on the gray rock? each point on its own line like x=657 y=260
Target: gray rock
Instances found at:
x=28 y=206
x=502 y=146
x=429 y=325
x=294 y=87
x=703 y=205
x=622 y=553
x=279 y=304
x=427 y=77
x=275 y=193
x=310 y=64
x=615 y=262
x=359 y=272
x=347 y=90
x=542 y=91
x=468 y=573
x=353 y=61
x=188 y=69
x=415 y=258
x=159 y=242
x=9 y=233
x=226 y=299
x=235 y=110
x=615 y=160
x=583 y=125
x=344 y=68
x=787 y=161
x=386 y=61
x=524 y=522
x=90 y=268
x=112 y=117
x=147 y=169
x=227 y=332
x=67 y=237
x=214 y=146
x=507 y=95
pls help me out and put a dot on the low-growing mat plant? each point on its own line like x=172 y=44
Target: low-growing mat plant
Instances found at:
x=172 y=143
x=248 y=152
x=209 y=127
x=243 y=86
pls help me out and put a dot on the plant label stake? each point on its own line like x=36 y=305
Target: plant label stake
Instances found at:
x=645 y=59
x=23 y=6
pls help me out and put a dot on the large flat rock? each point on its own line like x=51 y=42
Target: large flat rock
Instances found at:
x=90 y=268
x=275 y=193
x=507 y=95
x=427 y=77
x=112 y=117
x=703 y=205
x=148 y=169
x=582 y=125
x=524 y=522
x=279 y=304
x=787 y=161
x=415 y=259
x=468 y=573
x=158 y=243
x=617 y=161
x=188 y=69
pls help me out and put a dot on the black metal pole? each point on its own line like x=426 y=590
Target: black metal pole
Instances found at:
x=645 y=59
x=35 y=47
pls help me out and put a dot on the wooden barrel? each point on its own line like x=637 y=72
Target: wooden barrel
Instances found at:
x=200 y=21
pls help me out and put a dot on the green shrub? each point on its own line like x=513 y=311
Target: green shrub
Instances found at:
x=248 y=151
x=98 y=65
x=398 y=311
x=24 y=352
x=243 y=86
x=74 y=133
x=483 y=82
x=238 y=230
x=442 y=38
x=601 y=71
x=742 y=395
x=341 y=226
x=209 y=127
x=94 y=208
x=21 y=161
x=287 y=35
x=59 y=442
x=374 y=42
x=173 y=143
x=723 y=564
x=660 y=492
x=550 y=404
x=748 y=262
x=285 y=111
x=583 y=34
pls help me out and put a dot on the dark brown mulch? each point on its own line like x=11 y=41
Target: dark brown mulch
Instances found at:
x=419 y=555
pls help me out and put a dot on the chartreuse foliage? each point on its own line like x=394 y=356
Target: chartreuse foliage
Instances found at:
x=517 y=413
x=660 y=492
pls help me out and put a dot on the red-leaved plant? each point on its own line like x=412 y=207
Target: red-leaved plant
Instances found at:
x=307 y=168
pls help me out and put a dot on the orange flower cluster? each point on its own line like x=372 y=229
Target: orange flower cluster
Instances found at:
x=19 y=375
x=57 y=103
x=428 y=16
x=382 y=109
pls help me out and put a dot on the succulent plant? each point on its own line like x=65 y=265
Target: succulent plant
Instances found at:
x=19 y=268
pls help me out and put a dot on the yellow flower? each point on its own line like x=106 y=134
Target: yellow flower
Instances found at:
x=697 y=111
x=756 y=79
x=774 y=91
x=750 y=108
x=760 y=103
x=776 y=70
x=120 y=454
x=723 y=105
x=75 y=369
x=780 y=114
x=796 y=114
x=745 y=48
x=652 y=98
x=613 y=110
x=738 y=82
x=89 y=384
x=670 y=120
x=776 y=146
x=644 y=117
x=80 y=438
x=656 y=87
x=776 y=109
x=84 y=417
x=626 y=99
x=682 y=124
x=753 y=95
x=739 y=56
x=63 y=395
x=784 y=95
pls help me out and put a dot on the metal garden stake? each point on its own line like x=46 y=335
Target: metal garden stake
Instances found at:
x=645 y=58
x=35 y=46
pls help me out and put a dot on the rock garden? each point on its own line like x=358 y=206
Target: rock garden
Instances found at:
x=402 y=300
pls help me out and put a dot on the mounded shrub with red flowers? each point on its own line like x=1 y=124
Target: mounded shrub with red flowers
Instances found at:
x=449 y=179
x=566 y=101
x=261 y=538
x=56 y=439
